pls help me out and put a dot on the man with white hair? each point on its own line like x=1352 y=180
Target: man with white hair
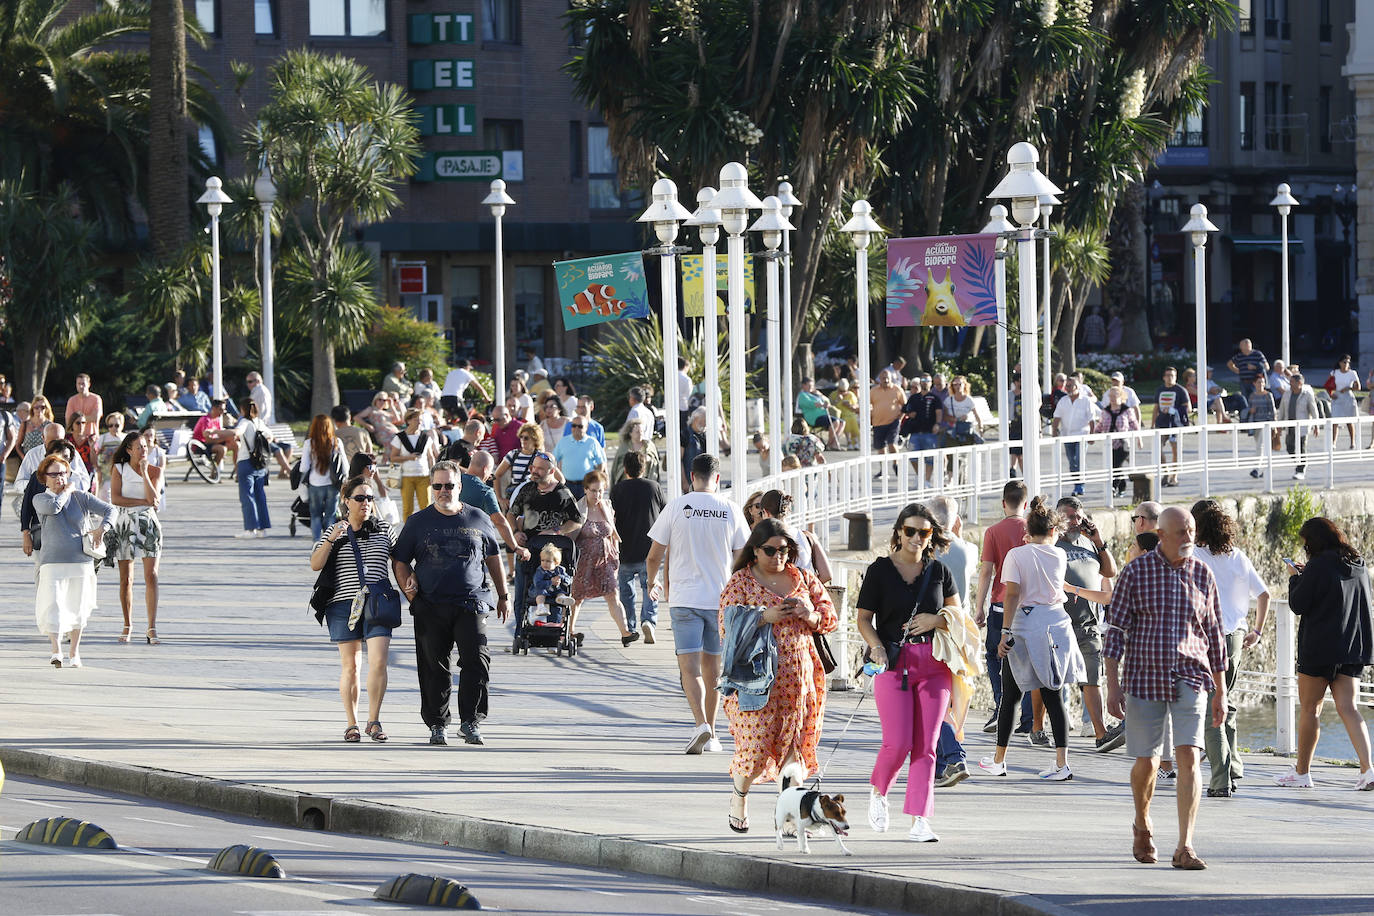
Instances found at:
x=397 y=384
x=961 y=558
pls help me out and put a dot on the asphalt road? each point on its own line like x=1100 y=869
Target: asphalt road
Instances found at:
x=160 y=869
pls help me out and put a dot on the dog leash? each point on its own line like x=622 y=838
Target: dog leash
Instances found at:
x=821 y=772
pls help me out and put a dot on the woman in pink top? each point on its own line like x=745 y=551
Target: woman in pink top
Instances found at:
x=1038 y=648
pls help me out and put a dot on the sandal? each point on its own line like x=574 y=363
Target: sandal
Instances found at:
x=124 y=635
x=151 y=636
x=1188 y=860
x=351 y=734
x=740 y=824
x=1143 y=849
x=374 y=730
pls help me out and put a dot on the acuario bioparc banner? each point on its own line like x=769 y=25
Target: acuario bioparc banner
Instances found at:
x=594 y=290
x=941 y=281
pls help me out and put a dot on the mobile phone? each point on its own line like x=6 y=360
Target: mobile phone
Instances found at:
x=1289 y=561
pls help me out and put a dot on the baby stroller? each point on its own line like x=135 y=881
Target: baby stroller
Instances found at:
x=536 y=632
x=300 y=514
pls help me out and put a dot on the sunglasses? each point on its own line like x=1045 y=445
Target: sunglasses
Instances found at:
x=367 y=498
x=579 y=426
x=911 y=532
x=443 y=486
x=770 y=550
x=1141 y=518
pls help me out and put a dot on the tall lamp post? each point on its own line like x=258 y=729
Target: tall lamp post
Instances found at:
x=771 y=225
x=1197 y=228
x=707 y=221
x=266 y=192
x=214 y=199
x=734 y=201
x=861 y=228
x=665 y=213
x=1047 y=204
x=1285 y=202
x=788 y=200
x=1344 y=204
x=498 y=200
x=1023 y=185
x=1003 y=229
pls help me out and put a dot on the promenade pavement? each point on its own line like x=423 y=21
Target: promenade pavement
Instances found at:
x=243 y=689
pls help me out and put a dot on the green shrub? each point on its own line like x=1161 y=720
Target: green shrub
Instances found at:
x=1289 y=515
x=400 y=337
x=359 y=379
x=1099 y=382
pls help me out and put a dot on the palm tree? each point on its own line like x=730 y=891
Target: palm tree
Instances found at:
x=168 y=223
x=337 y=144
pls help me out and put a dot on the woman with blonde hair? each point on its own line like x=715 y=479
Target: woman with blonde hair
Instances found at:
x=380 y=418
x=1118 y=417
x=66 y=576
x=416 y=450
x=517 y=463
x=31 y=430
x=324 y=466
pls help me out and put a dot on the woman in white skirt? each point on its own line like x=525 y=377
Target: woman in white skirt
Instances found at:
x=135 y=487
x=1347 y=382
x=66 y=574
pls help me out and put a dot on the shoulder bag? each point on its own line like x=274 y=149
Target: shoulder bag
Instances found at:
x=894 y=648
x=322 y=595
x=381 y=602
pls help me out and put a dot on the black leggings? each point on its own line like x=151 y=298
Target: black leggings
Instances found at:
x=1011 y=706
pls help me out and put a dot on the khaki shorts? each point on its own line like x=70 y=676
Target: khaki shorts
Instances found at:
x=1145 y=722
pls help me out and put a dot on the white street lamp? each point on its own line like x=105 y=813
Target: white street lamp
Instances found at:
x=498 y=200
x=1285 y=202
x=1023 y=185
x=734 y=200
x=707 y=221
x=1197 y=229
x=1047 y=204
x=1003 y=229
x=771 y=226
x=214 y=199
x=266 y=193
x=788 y=200
x=665 y=213
x=861 y=228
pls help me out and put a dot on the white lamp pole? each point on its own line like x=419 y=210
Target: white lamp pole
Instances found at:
x=861 y=228
x=707 y=221
x=266 y=193
x=498 y=200
x=1002 y=227
x=1023 y=185
x=214 y=199
x=788 y=200
x=1197 y=229
x=1285 y=202
x=771 y=225
x=1047 y=205
x=734 y=201
x=665 y=213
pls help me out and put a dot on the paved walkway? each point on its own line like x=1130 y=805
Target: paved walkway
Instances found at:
x=244 y=689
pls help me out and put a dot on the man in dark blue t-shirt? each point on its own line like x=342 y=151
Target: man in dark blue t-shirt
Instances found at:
x=1172 y=408
x=447 y=563
x=1247 y=362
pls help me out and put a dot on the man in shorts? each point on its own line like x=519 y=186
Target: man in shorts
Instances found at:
x=1165 y=620
x=701 y=532
x=887 y=402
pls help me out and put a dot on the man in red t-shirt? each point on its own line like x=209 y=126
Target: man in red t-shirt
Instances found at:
x=997 y=541
x=210 y=431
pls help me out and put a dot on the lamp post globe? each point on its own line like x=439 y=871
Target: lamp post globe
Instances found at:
x=265 y=190
x=706 y=219
x=214 y=200
x=498 y=200
x=1284 y=202
x=734 y=200
x=1197 y=229
x=861 y=228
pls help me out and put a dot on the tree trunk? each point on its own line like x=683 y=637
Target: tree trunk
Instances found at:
x=324 y=392
x=169 y=166
x=34 y=358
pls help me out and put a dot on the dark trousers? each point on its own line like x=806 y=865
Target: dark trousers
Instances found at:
x=1011 y=693
x=948 y=750
x=1120 y=458
x=438 y=628
x=994 y=665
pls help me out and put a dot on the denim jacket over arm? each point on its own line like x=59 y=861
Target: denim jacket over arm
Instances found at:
x=750 y=656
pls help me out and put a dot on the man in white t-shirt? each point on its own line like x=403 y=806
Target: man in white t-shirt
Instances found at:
x=458 y=380
x=263 y=398
x=684 y=393
x=701 y=533
x=640 y=411
x=1074 y=415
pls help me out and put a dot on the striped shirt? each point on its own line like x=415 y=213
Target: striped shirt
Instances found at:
x=1249 y=365
x=519 y=467
x=1165 y=622
x=376 y=553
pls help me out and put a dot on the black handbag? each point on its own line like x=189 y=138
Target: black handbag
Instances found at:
x=823 y=650
x=322 y=595
x=381 y=602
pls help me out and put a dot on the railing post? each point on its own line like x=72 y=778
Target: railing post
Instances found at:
x=1285 y=680
x=1330 y=453
x=1111 y=472
x=975 y=477
x=1156 y=459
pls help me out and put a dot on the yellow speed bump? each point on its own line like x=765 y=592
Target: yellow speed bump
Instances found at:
x=249 y=861
x=427 y=890
x=66 y=831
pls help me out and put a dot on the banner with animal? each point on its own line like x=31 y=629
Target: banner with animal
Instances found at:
x=693 y=306
x=942 y=281
x=593 y=290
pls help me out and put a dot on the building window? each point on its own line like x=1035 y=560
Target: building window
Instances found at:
x=575 y=149
x=1245 y=19
x=529 y=307
x=1324 y=21
x=264 y=17
x=207 y=15
x=603 y=187
x=503 y=135
x=501 y=21
x=1324 y=119
x=1285 y=118
x=1191 y=130
x=465 y=310
x=1276 y=24
x=1247 y=115
x=354 y=18
x=209 y=148
x=1271 y=115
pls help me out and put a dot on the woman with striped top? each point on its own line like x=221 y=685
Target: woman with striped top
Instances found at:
x=334 y=557
x=517 y=463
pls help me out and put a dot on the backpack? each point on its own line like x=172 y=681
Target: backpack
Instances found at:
x=259 y=451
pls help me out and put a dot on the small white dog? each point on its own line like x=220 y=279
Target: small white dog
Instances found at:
x=807 y=808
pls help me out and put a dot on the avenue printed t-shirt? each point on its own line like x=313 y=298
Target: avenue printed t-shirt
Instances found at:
x=448 y=554
x=702 y=531
x=997 y=541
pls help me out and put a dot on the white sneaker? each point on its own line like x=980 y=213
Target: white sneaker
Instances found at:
x=647 y=630
x=1366 y=781
x=713 y=746
x=73 y=662
x=1299 y=475
x=245 y=535
x=877 y=810
x=992 y=767
x=1057 y=774
x=699 y=739
x=1291 y=780
x=260 y=533
x=921 y=832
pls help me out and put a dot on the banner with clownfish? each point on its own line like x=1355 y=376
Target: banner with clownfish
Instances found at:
x=941 y=281
x=595 y=290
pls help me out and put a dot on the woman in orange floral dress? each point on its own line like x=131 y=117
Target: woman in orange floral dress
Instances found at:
x=796 y=604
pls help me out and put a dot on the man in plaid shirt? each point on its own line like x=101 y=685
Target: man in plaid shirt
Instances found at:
x=1165 y=621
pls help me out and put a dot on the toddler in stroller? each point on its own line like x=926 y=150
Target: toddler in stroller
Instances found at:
x=543 y=612
x=549 y=591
